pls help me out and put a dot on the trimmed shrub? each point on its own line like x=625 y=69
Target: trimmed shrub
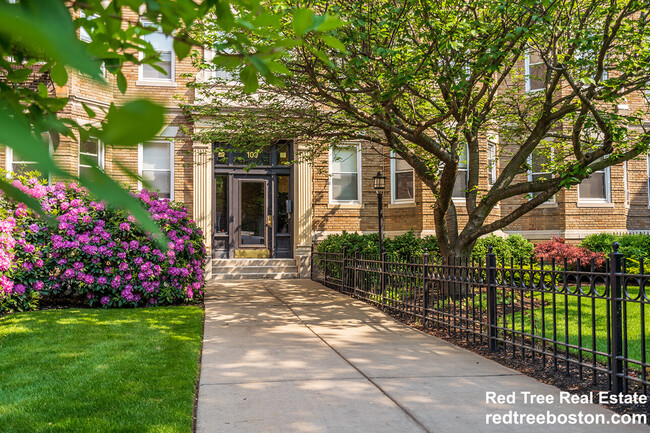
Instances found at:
x=512 y=248
x=558 y=249
x=634 y=247
x=98 y=252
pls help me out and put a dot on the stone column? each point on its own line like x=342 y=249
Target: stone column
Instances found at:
x=202 y=164
x=302 y=214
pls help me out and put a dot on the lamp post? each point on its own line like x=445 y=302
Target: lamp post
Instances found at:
x=380 y=186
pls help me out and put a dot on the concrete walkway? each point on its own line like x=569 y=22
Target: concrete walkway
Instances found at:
x=294 y=356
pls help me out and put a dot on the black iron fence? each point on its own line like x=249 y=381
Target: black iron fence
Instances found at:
x=585 y=320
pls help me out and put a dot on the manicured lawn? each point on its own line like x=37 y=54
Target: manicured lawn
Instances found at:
x=572 y=311
x=84 y=370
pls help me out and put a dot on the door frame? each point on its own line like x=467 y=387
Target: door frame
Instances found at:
x=238 y=180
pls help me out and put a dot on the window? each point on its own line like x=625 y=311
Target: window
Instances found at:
x=218 y=72
x=539 y=162
x=156 y=163
x=345 y=179
x=163 y=44
x=401 y=180
x=492 y=162
x=91 y=153
x=460 y=185
x=18 y=164
x=595 y=188
x=535 y=72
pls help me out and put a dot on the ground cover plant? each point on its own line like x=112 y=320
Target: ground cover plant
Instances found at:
x=94 y=251
x=83 y=370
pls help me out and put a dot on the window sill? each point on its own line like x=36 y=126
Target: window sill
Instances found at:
x=154 y=83
x=459 y=200
x=345 y=206
x=402 y=205
x=602 y=204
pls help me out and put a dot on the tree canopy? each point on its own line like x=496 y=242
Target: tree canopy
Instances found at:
x=432 y=80
x=39 y=46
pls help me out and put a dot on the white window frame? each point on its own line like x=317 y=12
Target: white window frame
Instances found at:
x=393 y=181
x=171 y=163
x=222 y=73
x=9 y=160
x=171 y=80
x=531 y=173
x=608 y=191
x=492 y=161
x=626 y=186
x=100 y=155
x=359 y=173
x=527 y=65
x=462 y=198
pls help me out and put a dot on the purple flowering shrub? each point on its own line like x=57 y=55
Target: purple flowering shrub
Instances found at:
x=98 y=252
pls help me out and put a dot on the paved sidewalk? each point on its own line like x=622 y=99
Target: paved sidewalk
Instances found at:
x=294 y=356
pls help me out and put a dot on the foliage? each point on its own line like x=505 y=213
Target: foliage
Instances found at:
x=97 y=252
x=511 y=248
x=635 y=247
x=557 y=249
x=39 y=47
x=82 y=370
x=408 y=245
x=437 y=83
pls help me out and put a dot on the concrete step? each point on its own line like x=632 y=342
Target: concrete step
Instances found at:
x=253 y=262
x=253 y=269
x=238 y=269
x=275 y=276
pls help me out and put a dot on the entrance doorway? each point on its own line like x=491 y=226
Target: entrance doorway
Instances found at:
x=253 y=206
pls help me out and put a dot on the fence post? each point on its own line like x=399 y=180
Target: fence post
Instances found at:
x=311 y=262
x=491 y=263
x=382 y=275
x=355 y=264
x=616 y=319
x=425 y=276
x=342 y=271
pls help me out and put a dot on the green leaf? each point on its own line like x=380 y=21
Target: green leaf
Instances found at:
x=59 y=74
x=332 y=42
x=135 y=122
x=19 y=75
x=248 y=76
x=42 y=90
x=89 y=111
x=303 y=19
x=181 y=48
x=121 y=82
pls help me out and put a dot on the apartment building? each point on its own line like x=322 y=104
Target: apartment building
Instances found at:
x=278 y=208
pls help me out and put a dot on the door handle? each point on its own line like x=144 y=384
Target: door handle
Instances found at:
x=269 y=221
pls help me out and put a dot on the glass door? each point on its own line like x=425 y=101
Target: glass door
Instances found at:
x=252 y=220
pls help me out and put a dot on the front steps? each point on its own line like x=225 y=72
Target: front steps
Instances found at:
x=249 y=269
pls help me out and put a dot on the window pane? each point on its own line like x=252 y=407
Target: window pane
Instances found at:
x=404 y=185
x=283 y=196
x=535 y=57
x=283 y=153
x=252 y=157
x=160 y=41
x=155 y=156
x=84 y=171
x=90 y=146
x=221 y=199
x=537 y=76
x=160 y=182
x=252 y=213
x=344 y=160
x=344 y=187
x=593 y=187
x=461 y=184
x=540 y=161
x=149 y=72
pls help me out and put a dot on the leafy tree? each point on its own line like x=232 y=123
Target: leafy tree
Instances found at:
x=429 y=80
x=39 y=46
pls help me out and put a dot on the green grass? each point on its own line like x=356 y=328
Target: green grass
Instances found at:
x=84 y=370
x=567 y=316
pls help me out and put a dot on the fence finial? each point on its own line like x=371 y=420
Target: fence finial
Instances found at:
x=490 y=249
x=615 y=246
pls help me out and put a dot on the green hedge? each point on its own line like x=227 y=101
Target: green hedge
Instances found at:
x=633 y=246
x=409 y=245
